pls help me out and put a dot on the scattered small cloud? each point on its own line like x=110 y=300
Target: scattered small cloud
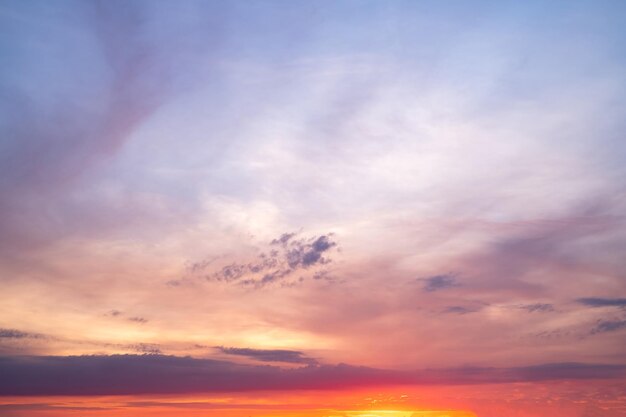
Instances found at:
x=140 y=320
x=148 y=348
x=606 y=326
x=135 y=319
x=460 y=310
x=602 y=302
x=284 y=257
x=283 y=239
x=537 y=307
x=269 y=355
x=438 y=282
x=18 y=334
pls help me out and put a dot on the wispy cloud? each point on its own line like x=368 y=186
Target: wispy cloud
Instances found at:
x=439 y=282
x=18 y=334
x=605 y=326
x=537 y=307
x=269 y=355
x=602 y=302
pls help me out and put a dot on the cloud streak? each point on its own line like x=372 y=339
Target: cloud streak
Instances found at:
x=269 y=355
x=158 y=374
x=438 y=282
x=602 y=302
x=18 y=334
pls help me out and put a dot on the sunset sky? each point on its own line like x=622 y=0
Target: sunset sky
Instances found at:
x=313 y=208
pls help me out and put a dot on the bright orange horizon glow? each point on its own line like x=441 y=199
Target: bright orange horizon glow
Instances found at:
x=562 y=399
x=225 y=407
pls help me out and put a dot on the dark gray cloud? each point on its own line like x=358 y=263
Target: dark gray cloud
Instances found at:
x=537 y=307
x=46 y=407
x=283 y=239
x=307 y=252
x=148 y=348
x=135 y=319
x=460 y=310
x=140 y=320
x=602 y=302
x=438 y=282
x=269 y=355
x=159 y=374
x=24 y=338
x=285 y=257
x=18 y=334
x=605 y=326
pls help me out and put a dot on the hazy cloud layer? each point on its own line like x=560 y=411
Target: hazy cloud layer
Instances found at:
x=157 y=374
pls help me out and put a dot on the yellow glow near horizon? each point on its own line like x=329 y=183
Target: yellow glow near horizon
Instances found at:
x=411 y=413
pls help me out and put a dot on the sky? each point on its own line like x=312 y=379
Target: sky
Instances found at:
x=354 y=208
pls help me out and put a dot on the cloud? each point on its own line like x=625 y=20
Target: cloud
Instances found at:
x=18 y=334
x=135 y=319
x=438 y=282
x=604 y=326
x=460 y=310
x=537 y=307
x=308 y=252
x=285 y=256
x=283 y=239
x=271 y=355
x=602 y=302
x=140 y=320
x=149 y=348
x=159 y=374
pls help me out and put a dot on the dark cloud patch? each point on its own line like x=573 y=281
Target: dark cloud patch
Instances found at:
x=283 y=239
x=135 y=319
x=140 y=320
x=438 y=282
x=537 y=307
x=605 y=326
x=269 y=355
x=147 y=348
x=602 y=302
x=460 y=310
x=323 y=275
x=285 y=262
x=47 y=407
x=18 y=334
x=305 y=253
x=232 y=272
x=159 y=374
x=554 y=334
